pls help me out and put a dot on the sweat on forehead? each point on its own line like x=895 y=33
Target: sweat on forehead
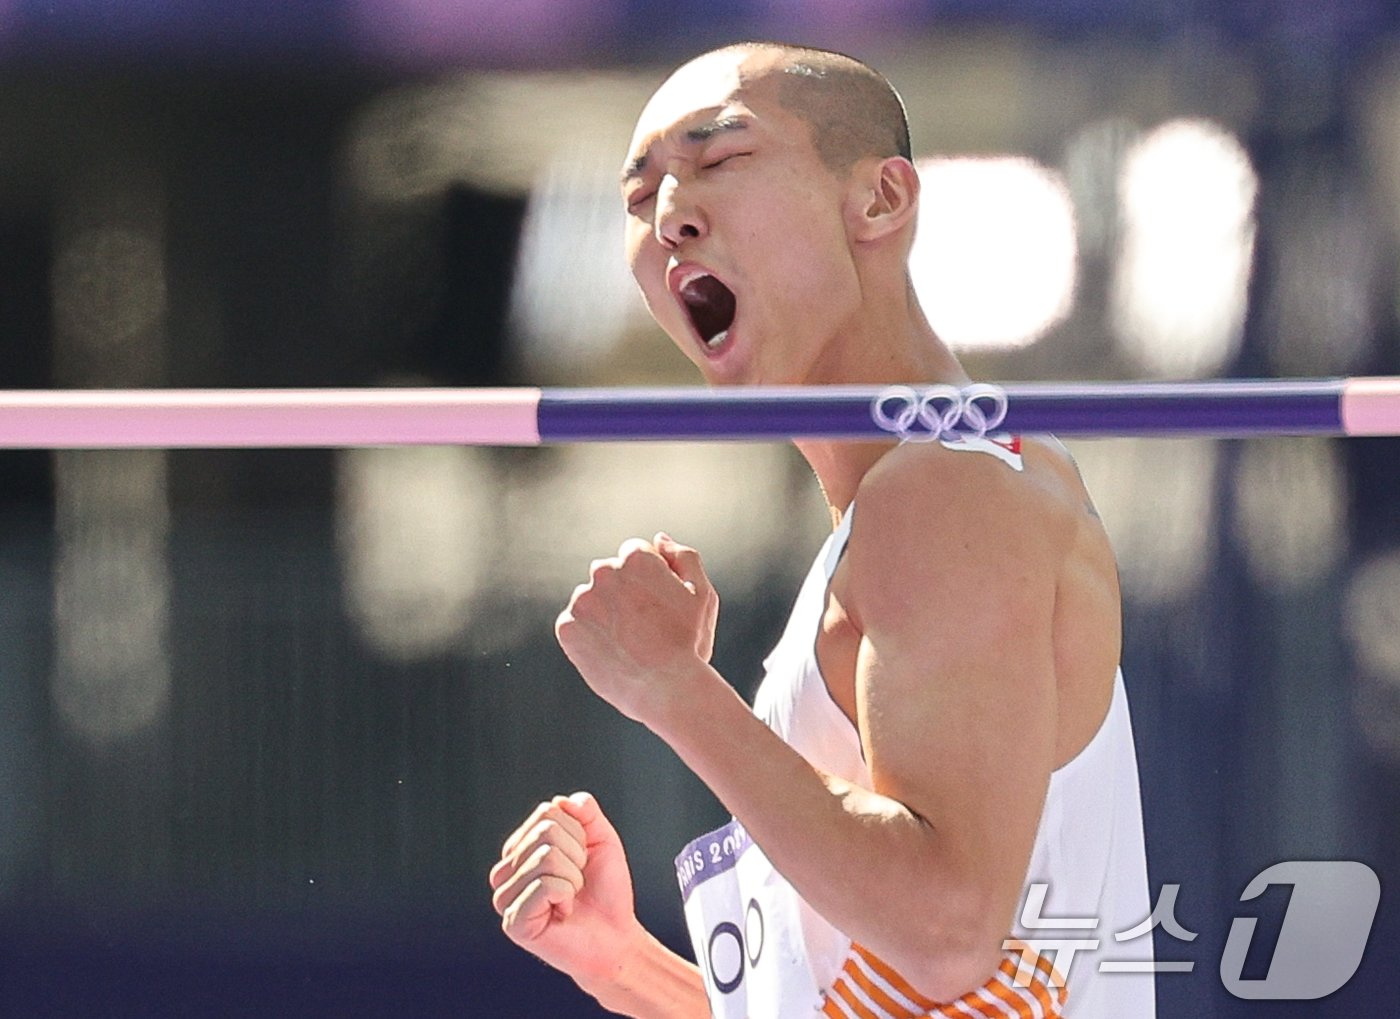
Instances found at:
x=850 y=108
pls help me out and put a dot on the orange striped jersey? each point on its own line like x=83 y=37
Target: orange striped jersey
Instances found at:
x=1025 y=986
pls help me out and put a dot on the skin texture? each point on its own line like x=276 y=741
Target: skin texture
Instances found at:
x=972 y=628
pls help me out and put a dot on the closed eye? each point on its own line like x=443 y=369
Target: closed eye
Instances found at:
x=724 y=159
x=637 y=206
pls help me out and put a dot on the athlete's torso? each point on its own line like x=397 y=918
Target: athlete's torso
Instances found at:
x=1088 y=848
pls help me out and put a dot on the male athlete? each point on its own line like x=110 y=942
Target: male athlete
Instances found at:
x=935 y=797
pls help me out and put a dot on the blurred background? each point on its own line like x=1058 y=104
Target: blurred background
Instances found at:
x=266 y=717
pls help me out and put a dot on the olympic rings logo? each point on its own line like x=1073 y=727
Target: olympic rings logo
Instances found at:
x=726 y=964
x=939 y=412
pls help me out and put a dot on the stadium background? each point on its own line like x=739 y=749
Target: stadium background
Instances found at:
x=266 y=717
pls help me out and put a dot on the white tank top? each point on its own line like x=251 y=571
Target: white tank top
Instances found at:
x=766 y=954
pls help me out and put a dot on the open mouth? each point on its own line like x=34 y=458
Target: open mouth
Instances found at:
x=711 y=307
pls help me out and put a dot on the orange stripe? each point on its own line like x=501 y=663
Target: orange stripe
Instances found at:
x=1053 y=979
x=972 y=1003
x=1050 y=990
x=830 y=1008
x=1042 y=986
x=1049 y=993
x=1041 y=992
x=1005 y=976
x=849 y=997
x=1015 y=1004
x=1042 y=963
x=876 y=993
x=1053 y=984
x=894 y=979
x=1019 y=955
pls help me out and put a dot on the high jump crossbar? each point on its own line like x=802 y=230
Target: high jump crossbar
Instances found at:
x=303 y=418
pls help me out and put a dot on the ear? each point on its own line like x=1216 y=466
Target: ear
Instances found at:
x=884 y=198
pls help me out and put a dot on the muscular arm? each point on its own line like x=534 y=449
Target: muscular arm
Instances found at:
x=953 y=596
x=952 y=587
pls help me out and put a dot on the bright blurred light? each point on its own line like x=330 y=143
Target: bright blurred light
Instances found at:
x=993 y=261
x=735 y=503
x=439 y=549
x=417 y=528
x=1155 y=497
x=1179 y=291
x=1372 y=615
x=573 y=297
x=111 y=592
x=1290 y=496
x=111 y=676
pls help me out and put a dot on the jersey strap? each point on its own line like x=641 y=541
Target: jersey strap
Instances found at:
x=1006 y=448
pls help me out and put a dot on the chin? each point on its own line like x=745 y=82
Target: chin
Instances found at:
x=729 y=371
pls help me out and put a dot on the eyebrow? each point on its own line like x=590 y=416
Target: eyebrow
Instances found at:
x=695 y=135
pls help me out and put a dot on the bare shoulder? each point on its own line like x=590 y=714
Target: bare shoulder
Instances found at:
x=954 y=547
x=922 y=499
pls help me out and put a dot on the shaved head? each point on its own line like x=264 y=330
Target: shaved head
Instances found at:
x=769 y=194
x=851 y=109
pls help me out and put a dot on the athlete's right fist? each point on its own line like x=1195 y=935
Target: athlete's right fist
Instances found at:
x=564 y=892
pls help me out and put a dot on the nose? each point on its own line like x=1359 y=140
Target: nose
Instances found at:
x=678 y=218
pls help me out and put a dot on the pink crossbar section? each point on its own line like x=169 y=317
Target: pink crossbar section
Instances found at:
x=1371 y=406
x=191 y=418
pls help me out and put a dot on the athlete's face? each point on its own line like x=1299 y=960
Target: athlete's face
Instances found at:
x=735 y=228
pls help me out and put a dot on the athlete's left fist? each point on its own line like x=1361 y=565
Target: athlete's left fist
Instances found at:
x=643 y=626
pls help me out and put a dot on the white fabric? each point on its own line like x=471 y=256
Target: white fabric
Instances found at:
x=739 y=912
x=1088 y=849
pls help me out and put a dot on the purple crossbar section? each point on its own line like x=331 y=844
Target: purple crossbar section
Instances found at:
x=1233 y=408
x=1216 y=409
x=777 y=412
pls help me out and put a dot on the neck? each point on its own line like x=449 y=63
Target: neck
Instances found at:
x=879 y=349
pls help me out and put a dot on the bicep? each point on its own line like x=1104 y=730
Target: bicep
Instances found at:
x=956 y=699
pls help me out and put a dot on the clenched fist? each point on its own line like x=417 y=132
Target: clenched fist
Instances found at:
x=643 y=627
x=564 y=892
